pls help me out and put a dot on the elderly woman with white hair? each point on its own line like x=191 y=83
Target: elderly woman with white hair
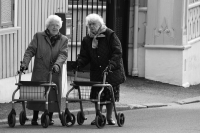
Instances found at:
x=102 y=48
x=50 y=49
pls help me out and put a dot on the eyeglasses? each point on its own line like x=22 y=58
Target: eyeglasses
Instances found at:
x=54 y=25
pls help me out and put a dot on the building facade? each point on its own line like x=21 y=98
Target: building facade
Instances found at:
x=168 y=42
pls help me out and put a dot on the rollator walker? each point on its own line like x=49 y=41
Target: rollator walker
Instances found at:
x=32 y=91
x=82 y=89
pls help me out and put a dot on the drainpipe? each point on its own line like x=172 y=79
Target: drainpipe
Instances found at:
x=135 y=55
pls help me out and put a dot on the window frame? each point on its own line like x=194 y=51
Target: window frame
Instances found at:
x=10 y=23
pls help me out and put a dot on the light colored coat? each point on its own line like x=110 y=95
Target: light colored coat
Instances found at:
x=45 y=57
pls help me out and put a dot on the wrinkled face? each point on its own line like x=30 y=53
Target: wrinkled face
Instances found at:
x=54 y=27
x=93 y=26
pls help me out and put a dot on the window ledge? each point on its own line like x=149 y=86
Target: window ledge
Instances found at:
x=9 y=30
x=172 y=47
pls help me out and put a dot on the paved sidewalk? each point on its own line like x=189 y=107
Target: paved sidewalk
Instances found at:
x=136 y=93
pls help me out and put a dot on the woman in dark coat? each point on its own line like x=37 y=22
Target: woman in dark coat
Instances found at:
x=50 y=51
x=102 y=48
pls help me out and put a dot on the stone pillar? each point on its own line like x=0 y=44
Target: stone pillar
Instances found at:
x=164 y=41
x=165 y=22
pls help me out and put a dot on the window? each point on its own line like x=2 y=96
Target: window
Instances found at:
x=7 y=13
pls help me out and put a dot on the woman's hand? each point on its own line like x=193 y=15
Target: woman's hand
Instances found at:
x=55 y=68
x=23 y=67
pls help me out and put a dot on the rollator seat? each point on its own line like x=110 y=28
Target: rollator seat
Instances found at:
x=86 y=83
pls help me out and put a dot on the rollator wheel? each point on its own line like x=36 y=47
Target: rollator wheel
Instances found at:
x=62 y=117
x=69 y=121
x=22 y=118
x=100 y=122
x=80 y=119
x=11 y=120
x=120 y=119
x=45 y=120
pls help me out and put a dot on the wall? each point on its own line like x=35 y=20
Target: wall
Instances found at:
x=192 y=58
x=8 y=52
x=164 y=65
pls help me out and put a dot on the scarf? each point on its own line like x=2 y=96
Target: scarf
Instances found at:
x=53 y=39
x=94 y=36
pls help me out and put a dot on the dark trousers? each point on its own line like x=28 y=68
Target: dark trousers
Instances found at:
x=35 y=115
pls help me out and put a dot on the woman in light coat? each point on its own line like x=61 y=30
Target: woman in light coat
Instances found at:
x=50 y=50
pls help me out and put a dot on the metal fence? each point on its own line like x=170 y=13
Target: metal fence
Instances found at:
x=77 y=11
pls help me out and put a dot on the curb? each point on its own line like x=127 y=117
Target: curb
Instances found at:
x=120 y=107
x=154 y=105
x=189 y=100
x=88 y=111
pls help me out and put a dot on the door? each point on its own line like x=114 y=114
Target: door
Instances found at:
x=117 y=18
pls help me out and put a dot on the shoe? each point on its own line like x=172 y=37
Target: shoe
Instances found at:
x=51 y=122
x=34 y=123
x=111 y=122
x=93 y=122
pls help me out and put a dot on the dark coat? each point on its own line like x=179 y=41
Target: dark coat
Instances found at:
x=45 y=57
x=109 y=50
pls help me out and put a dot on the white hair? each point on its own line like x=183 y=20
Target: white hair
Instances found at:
x=94 y=18
x=53 y=18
